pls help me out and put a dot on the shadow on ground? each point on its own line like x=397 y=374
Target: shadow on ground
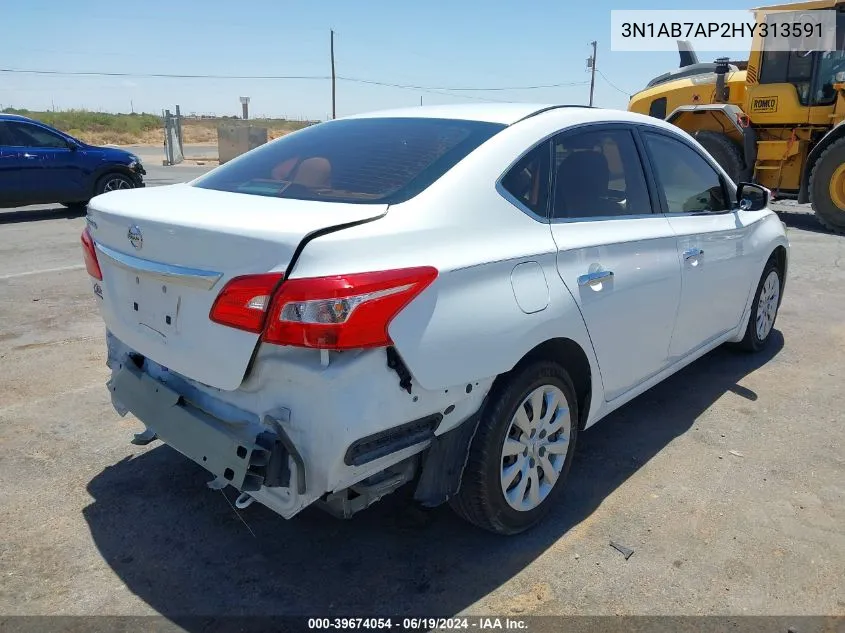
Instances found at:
x=804 y=220
x=36 y=215
x=181 y=548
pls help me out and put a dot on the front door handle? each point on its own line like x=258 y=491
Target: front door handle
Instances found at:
x=590 y=278
x=693 y=252
x=25 y=155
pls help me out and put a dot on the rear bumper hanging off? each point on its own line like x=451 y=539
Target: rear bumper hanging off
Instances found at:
x=247 y=455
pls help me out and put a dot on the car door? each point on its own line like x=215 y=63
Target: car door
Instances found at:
x=616 y=255
x=713 y=248
x=12 y=186
x=49 y=167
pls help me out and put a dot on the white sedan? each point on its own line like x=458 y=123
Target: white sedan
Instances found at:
x=442 y=297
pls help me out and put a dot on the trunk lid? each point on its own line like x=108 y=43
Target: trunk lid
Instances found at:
x=166 y=252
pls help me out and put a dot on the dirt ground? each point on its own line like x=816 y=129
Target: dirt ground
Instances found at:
x=728 y=481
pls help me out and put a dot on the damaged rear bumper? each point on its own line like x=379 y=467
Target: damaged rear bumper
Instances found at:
x=280 y=440
x=245 y=455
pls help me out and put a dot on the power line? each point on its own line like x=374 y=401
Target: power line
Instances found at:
x=156 y=75
x=612 y=85
x=287 y=77
x=474 y=89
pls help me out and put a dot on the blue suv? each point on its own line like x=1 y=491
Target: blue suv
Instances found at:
x=41 y=165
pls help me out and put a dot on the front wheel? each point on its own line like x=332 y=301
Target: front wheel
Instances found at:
x=113 y=182
x=764 y=310
x=827 y=187
x=522 y=451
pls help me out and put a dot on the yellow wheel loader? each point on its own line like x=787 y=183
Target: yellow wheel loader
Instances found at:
x=775 y=119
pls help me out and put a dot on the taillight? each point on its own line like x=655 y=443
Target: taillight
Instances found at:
x=90 y=255
x=344 y=311
x=243 y=302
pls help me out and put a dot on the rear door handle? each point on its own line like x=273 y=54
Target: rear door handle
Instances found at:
x=693 y=252
x=25 y=155
x=589 y=278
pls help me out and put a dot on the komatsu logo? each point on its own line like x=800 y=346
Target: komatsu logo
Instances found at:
x=764 y=104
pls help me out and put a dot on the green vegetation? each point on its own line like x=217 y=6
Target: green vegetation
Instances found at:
x=129 y=129
x=77 y=122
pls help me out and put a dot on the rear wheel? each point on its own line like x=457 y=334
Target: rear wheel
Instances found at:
x=724 y=151
x=827 y=187
x=522 y=451
x=113 y=182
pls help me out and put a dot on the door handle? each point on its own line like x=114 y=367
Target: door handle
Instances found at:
x=589 y=278
x=693 y=252
x=25 y=155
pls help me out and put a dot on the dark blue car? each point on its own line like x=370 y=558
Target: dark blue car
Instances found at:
x=41 y=165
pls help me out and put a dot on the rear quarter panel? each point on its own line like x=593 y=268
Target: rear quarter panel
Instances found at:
x=468 y=325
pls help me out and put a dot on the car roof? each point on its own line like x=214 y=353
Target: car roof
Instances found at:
x=510 y=113
x=504 y=113
x=15 y=117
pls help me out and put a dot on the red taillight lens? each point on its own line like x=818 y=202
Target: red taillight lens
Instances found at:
x=345 y=311
x=244 y=300
x=90 y=255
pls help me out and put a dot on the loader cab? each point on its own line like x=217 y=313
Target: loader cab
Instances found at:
x=805 y=77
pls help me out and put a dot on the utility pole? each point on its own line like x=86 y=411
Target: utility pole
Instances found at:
x=591 y=64
x=334 y=111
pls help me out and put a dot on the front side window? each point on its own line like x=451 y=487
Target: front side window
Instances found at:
x=688 y=182
x=598 y=174
x=367 y=160
x=28 y=135
x=830 y=64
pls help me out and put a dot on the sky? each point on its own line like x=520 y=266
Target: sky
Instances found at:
x=431 y=44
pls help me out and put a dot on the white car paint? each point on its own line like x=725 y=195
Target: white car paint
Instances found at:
x=506 y=284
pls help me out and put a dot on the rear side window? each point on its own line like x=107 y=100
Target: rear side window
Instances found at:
x=370 y=160
x=528 y=180
x=599 y=174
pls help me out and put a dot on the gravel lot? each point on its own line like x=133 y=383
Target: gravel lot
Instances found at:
x=728 y=481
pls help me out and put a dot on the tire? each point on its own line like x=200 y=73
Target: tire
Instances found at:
x=76 y=206
x=828 y=213
x=724 y=151
x=766 y=303
x=112 y=182
x=481 y=498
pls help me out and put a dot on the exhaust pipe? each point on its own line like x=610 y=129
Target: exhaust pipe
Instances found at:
x=722 y=90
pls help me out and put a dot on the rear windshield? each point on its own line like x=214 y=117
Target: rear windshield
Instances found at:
x=378 y=160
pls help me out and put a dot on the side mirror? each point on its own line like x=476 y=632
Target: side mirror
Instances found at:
x=751 y=197
x=71 y=145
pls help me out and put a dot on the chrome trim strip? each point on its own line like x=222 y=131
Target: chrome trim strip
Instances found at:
x=202 y=279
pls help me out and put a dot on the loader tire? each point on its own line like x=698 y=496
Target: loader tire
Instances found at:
x=724 y=151
x=827 y=187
